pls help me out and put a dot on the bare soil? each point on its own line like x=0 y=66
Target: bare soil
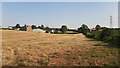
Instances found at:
x=22 y=48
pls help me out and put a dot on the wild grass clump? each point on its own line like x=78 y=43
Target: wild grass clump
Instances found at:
x=41 y=62
x=99 y=44
x=20 y=61
x=60 y=43
x=45 y=43
x=94 y=56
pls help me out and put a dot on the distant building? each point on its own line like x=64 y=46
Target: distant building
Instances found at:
x=56 y=30
x=38 y=30
x=26 y=28
x=11 y=27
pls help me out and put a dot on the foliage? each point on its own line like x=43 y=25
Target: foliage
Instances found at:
x=42 y=27
x=17 y=26
x=98 y=27
x=83 y=29
x=39 y=27
x=34 y=27
x=64 y=28
x=106 y=35
x=99 y=44
x=111 y=36
x=48 y=29
x=116 y=40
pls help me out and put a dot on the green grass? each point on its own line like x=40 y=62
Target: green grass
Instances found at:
x=105 y=64
x=20 y=61
x=68 y=57
x=46 y=63
x=115 y=32
x=45 y=43
x=94 y=56
x=99 y=44
x=96 y=33
x=21 y=64
x=40 y=61
x=60 y=43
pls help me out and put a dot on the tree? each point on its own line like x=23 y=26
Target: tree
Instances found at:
x=80 y=30
x=103 y=28
x=106 y=35
x=39 y=27
x=56 y=31
x=17 y=26
x=34 y=27
x=42 y=27
x=84 y=29
x=98 y=27
x=48 y=29
x=64 y=28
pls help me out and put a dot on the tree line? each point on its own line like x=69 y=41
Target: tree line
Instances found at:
x=109 y=35
x=47 y=29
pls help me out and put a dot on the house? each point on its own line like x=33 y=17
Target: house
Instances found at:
x=26 y=28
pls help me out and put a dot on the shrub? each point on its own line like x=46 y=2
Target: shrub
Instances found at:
x=115 y=41
x=89 y=35
x=105 y=33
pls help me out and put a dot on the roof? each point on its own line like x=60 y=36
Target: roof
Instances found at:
x=55 y=28
x=39 y=30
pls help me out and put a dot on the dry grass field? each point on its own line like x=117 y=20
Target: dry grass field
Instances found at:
x=22 y=48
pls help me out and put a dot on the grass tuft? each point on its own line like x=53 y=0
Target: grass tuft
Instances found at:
x=94 y=56
x=99 y=44
x=60 y=43
x=45 y=43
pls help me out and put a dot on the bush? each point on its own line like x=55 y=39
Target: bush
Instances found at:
x=107 y=39
x=105 y=34
x=89 y=35
x=116 y=41
x=94 y=35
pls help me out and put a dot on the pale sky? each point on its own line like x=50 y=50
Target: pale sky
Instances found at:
x=55 y=14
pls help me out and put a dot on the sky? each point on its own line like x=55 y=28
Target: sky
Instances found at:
x=56 y=14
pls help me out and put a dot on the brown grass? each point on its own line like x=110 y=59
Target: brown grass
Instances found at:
x=22 y=48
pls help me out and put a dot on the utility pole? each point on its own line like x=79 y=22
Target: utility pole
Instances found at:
x=111 y=24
